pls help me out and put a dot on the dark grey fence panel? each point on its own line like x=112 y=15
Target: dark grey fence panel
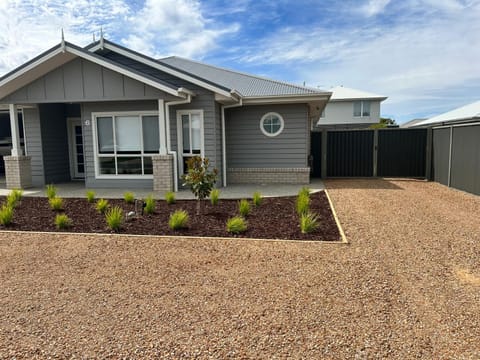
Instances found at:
x=440 y=154
x=316 y=154
x=465 y=171
x=402 y=152
x=350 y=153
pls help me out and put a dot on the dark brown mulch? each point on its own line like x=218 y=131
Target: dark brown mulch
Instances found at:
x=274 y=219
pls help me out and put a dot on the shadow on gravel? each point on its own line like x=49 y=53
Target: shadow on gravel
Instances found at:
x=369 y=183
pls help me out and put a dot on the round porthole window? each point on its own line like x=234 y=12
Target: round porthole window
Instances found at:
x=271 y=124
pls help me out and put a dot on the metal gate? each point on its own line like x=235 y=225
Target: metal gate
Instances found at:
x=370 y=153
x=402 y=152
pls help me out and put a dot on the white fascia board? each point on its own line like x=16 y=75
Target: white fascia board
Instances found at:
x=380 y=99
x=285 y=99
x=160 y=67
x=31 y=66
x=123 y=71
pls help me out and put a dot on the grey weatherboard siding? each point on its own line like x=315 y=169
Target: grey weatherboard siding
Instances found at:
x=33 y=141
x=248 y=147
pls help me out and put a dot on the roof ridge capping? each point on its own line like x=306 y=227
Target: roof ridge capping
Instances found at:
x=311 y=89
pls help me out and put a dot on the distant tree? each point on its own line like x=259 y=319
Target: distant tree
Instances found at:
x=383 y=123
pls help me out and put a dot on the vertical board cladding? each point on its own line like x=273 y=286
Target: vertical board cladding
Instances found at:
x=402 y=152
x=53 y=126
x=88 y=138
x=440 y=155
x=465 y=172
x=248 y=147
x=350 y=153
x=33 y=141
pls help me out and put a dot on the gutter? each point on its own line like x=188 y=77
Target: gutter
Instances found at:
x=224 y=143
x=167 y=127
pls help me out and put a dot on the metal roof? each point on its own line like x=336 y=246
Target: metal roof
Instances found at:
x=247 y=85
x=467 y=112
x=344 y=93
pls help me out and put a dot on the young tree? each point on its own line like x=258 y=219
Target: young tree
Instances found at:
x=200 y=179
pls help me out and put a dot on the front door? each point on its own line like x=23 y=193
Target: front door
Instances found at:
x=77 y=160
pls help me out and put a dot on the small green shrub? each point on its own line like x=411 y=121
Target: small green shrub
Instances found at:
x=170 y=198
x=62 y=221
x=214 y=196
x=6 y=215
x=244 y=207
x=51 y=191
x=236 y=225
x=102 y=206
x=178 y=220
x=302 y=204
x=14 y=197
x=304 y=191
x=56 y=203
x=308 y=223
x=257 y=198
x=149 y=205
x=114 y=218
x=129 y=197
x=90 y=196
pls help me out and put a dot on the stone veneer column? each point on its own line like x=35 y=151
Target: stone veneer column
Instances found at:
x=162 y=172
x=18 y=172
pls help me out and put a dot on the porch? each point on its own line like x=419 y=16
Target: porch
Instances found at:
x=77 y=189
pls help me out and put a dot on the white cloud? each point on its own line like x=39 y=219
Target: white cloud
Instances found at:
x=374 y=7
x=174 y=26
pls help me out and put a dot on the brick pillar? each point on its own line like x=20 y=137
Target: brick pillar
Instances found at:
x=162 y=172
x=18 y=172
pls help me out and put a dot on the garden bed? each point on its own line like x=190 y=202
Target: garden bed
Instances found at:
x=275 y=218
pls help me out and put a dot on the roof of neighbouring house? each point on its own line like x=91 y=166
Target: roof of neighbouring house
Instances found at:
x=411 y=123
x=463 y=113
x=246 y=84
x=340 y=93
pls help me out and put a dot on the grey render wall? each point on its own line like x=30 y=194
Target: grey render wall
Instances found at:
x=53 y=129
x=465 y=157
x=80 y=80
x=33 y=141
x=248 y=147
x=87 y=110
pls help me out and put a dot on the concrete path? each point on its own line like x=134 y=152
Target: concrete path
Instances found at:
x=78 y=189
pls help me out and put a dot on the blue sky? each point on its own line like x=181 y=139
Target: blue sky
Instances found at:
x=423 y=54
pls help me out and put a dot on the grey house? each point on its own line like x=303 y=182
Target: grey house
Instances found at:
x=112 y=117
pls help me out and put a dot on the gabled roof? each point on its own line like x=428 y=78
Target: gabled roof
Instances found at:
x=464 y=113
x=342 y=93
x=65 y=52
x=246 y=84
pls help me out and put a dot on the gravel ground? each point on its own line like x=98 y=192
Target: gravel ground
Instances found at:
x=407 y=286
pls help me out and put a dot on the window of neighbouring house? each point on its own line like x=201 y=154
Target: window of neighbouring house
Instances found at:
x=361 y=108
x=271 y=124
x=124 y=142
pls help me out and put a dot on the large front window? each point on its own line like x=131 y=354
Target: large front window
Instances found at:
x=125 y=144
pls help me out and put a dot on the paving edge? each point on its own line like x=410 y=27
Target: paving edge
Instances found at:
x=173 y=237
x=337 y=221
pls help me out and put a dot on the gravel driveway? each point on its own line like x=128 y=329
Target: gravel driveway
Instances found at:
x=407 y=286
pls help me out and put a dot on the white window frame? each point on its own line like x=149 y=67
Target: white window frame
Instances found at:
x=97 y=155
x=180 y=136
x=362 y=102
x=282 y=124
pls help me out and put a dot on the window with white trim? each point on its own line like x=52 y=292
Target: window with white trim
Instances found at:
x=125 y=143
x=271 y=124
x=361 y=108
x=190 y=135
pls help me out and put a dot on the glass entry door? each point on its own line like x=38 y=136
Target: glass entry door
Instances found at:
x=77 y=159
